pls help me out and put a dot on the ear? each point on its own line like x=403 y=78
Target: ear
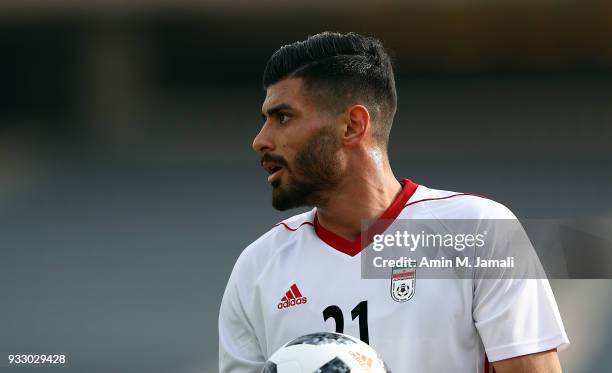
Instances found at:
x=357 y=126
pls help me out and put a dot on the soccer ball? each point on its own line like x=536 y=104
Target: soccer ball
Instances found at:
x=325 y=353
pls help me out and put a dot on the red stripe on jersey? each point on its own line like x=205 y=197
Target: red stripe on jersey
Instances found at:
x=354 y=247
x=292 y=229
x=296 y=291
x=451 y=196
x=403 y=274
x=284 y=299
x=289 y=295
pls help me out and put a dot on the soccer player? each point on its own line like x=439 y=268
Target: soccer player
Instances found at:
x=330 y=102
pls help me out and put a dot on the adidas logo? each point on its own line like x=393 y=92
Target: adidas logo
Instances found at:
x=363 y=360
x=293 y=297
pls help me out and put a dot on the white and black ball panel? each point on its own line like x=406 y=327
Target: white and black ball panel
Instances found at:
x=335 y=365
x=325 y=353
x=322 y=338
x=308 y=357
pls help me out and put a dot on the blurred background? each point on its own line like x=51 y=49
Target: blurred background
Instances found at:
x=128 y=187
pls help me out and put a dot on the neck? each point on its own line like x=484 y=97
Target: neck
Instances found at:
x=363 y=196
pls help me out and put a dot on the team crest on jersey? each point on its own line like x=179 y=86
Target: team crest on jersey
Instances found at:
x=403 y=282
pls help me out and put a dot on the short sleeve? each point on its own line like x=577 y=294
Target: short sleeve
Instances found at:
x=515 y=312
x=239 y=348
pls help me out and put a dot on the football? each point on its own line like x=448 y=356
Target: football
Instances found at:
x=325 y=353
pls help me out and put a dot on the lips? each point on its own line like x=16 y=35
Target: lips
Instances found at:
x=275 y=174
x=273 y=168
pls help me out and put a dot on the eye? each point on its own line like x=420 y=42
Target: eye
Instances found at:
x=283 y=118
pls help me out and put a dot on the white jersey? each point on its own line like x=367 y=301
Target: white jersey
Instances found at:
x=299 y=278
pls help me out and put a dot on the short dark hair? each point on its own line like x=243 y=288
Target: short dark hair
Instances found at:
x=341 y=69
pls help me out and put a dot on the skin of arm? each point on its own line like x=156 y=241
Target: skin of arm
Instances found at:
x=541 y=362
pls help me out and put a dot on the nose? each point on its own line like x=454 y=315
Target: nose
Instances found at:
x=263 y=141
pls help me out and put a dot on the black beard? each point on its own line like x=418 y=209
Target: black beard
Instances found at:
x=317 y=171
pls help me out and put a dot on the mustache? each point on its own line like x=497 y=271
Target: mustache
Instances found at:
x=277 y=159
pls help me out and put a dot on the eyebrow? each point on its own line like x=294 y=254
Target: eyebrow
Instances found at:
x=275 y=109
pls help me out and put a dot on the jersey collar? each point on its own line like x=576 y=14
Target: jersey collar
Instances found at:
x=354 y=247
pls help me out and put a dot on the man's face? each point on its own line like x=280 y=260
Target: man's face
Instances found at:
x=298 y=145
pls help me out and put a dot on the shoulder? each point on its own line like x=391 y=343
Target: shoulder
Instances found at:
x=444 y=204
x=282 y=236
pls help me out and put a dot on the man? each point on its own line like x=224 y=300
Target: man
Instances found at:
x=327 y=116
